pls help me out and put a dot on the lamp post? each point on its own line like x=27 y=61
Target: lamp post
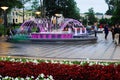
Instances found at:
x=37 y=13
x=5 y=17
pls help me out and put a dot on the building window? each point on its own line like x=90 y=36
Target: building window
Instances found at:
x=13 y=13
x=16 y=20
x=16 y=14
x=13 y=21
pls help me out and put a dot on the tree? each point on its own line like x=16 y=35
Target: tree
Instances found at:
x=43 y=8
x=115 y=6
x=104 y=21
x=110 y=4
x=84 y=21
x=35 y=4
x=11 y=4
x=116 y=15
x=91 y=16
x=66 y=7
x=72 y=10
x=24 y=2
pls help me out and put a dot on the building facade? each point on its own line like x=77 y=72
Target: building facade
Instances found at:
x=97 y=16
x=16 y=16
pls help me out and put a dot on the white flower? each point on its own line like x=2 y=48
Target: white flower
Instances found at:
x=52 y=61
x=46 y=61
x=12 y=78
x=51 y=77
x=22 y=79
x=42 y=75
x=61 y=62
x=27 y=78
x=106 y=64
x=96 y=62
x=70 y=63
x=90 y=64
x=12 y=59
x=47 y=79
x=32 y=76
x=16 y=79
x=0 y=76
x=81 y=63
x=8 y=56
x=6 y=77
x=37 y=79
x=35 y=61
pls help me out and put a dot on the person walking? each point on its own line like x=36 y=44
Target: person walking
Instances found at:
x=106 y=31
x=94 y=27
x=117 y=34
x=113 y=32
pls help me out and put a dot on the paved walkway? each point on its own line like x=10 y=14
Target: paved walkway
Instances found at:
x=100 y=50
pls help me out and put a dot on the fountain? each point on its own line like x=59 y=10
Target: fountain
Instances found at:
x=46 y=30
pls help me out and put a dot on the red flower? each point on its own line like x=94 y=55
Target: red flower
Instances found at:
x=60 y=71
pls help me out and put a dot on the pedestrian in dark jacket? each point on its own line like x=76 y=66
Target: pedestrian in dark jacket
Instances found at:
x=113 y=32
x=106 y=30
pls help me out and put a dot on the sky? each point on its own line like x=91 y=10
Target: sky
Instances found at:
x=97 y=5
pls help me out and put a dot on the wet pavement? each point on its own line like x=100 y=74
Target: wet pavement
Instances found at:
x=100 y=50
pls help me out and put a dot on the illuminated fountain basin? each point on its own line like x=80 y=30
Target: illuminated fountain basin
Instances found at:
x=47 y=31
x=50 y=35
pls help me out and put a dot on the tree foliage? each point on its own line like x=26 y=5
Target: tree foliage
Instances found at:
x=35 y=4
x=111 y=6
x=91 y=16
x=114 y=8
x=104 y=21
x=11 y=4
x=116 y=15
x=66 y=7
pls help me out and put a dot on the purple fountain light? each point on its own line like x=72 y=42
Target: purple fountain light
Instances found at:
x=39 y=23
x=46 y=28
x=68 y=20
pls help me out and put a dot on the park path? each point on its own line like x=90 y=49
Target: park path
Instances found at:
x=100 y=50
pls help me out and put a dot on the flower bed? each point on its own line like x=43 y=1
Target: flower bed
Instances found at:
x=32 y=69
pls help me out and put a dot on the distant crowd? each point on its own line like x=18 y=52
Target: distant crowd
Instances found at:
x=115 y=29
x=116 y=33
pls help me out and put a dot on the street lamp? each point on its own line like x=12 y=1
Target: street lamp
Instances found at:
x=57 y=15
x=5 y=17
x=37 y=13
x=4 y=8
